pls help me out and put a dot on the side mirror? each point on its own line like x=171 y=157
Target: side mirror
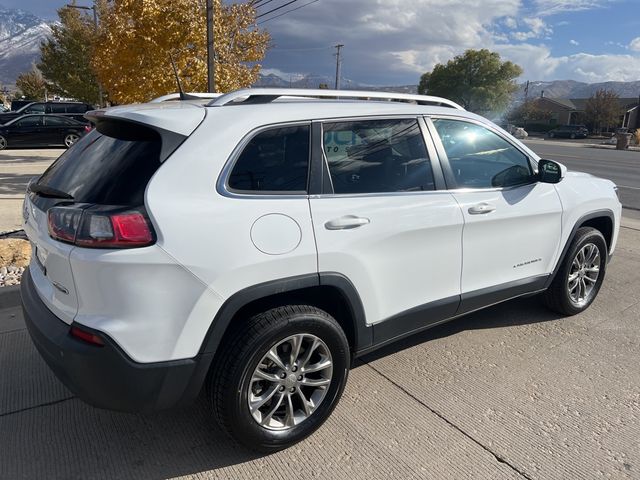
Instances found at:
x=550 y=171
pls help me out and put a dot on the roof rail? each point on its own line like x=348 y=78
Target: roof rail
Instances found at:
x=176 y=96
x=267 y=95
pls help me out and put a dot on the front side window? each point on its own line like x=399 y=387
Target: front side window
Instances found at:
x=35 y=108
x=479 y=158
x=276 y=160
x=377 y=156
x=34 y=121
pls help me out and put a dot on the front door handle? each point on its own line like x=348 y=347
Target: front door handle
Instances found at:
x=481 y=209
x=346 y=223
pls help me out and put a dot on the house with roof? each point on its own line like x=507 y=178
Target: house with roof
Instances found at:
x=565 y=111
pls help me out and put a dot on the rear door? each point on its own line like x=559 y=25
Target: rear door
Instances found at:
x=384 y=221
x=55 y=128
x=512 y=221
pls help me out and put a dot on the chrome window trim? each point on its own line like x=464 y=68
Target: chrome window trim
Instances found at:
x=222 y=184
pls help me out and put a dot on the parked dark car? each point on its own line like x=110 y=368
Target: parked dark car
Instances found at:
x=569 y=131
x=75 y=110
x=41 y=130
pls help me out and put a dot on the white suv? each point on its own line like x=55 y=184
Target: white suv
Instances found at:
x=257 y=243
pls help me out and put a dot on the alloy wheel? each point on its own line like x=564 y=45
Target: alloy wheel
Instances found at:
x=70 y=139
x=3 y=143
x=583 y=274
x=290 y=382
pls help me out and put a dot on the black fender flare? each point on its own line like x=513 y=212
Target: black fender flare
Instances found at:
x=363 y=335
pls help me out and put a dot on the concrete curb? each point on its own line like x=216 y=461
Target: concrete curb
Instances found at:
x=9 y=296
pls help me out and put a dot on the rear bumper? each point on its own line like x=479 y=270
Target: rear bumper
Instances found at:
x=105 y=376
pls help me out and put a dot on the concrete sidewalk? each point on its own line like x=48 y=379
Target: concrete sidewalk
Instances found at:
x=513 y=392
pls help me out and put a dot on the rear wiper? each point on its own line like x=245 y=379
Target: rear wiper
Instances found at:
x=46 y=191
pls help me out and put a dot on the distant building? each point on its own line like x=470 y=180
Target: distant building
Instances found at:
x=566 y=111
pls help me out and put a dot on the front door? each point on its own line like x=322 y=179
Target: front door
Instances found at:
x=512 y=222
x=386 y=225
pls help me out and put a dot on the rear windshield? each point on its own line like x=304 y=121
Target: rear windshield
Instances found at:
x=107 y=170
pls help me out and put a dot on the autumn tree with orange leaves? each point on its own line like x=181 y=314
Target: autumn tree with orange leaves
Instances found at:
x=137 y=37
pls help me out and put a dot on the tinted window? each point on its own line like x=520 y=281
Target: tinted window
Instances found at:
x=480 y=158
x=107 y=170
x=275 y=160
x=57 y=108
x=76 y=108
x=377 y=156
x=34 y=121
x=36 y=108
x=57 y=121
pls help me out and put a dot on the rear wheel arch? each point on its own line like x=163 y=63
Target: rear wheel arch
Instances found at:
x=331 y=292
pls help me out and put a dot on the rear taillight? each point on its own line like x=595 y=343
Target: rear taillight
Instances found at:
x=100 y=227
x=87 y=128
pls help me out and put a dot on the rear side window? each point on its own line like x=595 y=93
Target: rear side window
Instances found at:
x=77 y=108
x=276 y=160
x=57 y=108
x=376 y=156
x=107 y=169
x=53 y=121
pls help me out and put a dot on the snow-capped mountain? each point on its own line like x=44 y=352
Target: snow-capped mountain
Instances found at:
x=20 y=36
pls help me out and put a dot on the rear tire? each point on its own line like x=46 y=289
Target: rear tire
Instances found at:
x=3 y=142
x=244 y=375
x=70 y=139
x=580 y=276
x=551 y=135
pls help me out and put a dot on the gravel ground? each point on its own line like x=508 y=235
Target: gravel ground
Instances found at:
x=15 y=254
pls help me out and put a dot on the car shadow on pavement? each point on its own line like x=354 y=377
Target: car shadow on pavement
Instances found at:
x=56 y=435
x=14 y=157
x=521 y=311
x=15 y=184
x=70 y=439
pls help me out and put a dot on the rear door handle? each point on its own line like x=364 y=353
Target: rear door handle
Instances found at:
x=346 y=223
x=481 y=209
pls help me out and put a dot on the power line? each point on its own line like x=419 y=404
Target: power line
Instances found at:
x=260 y=3
x=277 y=8
x=288 y=11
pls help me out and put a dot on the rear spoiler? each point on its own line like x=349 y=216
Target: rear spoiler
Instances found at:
x=127 y=129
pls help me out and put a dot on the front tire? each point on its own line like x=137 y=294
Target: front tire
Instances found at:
x=581 y=274
x=277 y=379
x=3 y=142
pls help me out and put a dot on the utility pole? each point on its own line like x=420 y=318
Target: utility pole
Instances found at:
x=338 y=65
x=211 y=65
x=95 y=30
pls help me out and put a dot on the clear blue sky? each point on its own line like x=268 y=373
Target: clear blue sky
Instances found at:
x=393 y=41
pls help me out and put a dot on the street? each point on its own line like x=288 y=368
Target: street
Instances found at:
x=621 y=167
